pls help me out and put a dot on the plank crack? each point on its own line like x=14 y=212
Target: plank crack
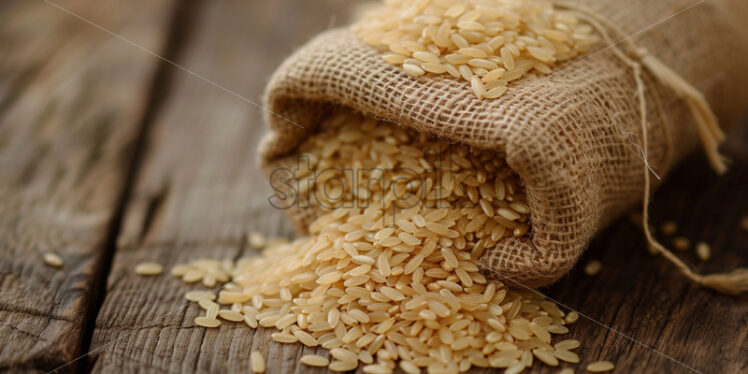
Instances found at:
x=33 y=312
x=180 y=25
x=154 y=206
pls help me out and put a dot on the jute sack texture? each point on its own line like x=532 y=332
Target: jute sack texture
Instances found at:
x=573 y=137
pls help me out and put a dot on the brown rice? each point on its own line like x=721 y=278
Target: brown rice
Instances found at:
x=487 y=44
x=148 y=268
x=53 y=259
x=257 y=362
x=394 y=280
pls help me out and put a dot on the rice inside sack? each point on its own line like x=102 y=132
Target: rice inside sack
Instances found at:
x=486 y=43
x=360 y=163
x=570 y=136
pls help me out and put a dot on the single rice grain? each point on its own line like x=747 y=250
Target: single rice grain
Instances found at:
x=681 y=243
x=668 y=227
x=314 y=360
x=207 y=322
x=592 y=268
x=148 y=268
x=600 y=366
x=257 y=362
x=703 y=252
x=53 y=259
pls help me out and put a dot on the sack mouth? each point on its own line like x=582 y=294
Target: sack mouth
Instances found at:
x=279 y=148
x=506 y=250
x=313 y=84
x=556 y=133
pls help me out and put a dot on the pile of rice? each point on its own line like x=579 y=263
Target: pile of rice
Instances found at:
x=488 y=43
x=396 y=288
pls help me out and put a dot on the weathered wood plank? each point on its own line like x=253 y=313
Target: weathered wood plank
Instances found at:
x=71 y=103
x=199 y=192
x=647 y=299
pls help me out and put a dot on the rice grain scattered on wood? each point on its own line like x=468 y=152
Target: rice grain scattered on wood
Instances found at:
x=680 y=243
x=53 y=259
x=571 y=317
x=669 y=228
x=257 y=362
x=600 y=366
x=384 y=282
x=315 y=360
x=703 y=252
x=593 y=267
x=207 y=321
x=148 y=268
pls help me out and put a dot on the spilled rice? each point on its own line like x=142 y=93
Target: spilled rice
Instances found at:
x=397 y=290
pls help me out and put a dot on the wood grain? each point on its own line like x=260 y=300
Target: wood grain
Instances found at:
x=199 y=193
x=71 y=101
x=647 y=299
x=196 y=192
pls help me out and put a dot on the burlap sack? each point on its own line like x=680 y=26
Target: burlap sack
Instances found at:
x=571 y=136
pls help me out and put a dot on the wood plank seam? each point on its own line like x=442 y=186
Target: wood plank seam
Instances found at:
x=71 y=100
x=177 y=37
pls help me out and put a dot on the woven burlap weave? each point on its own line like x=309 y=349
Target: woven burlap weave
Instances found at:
x=572 y=136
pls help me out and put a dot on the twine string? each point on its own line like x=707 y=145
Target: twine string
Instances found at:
x=736 y=281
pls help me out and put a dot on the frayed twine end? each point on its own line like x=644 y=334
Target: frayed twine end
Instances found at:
x=711 y=135
x=733 y=283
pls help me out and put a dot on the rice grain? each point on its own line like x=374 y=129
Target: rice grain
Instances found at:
x=547 y=357
x=703 y=252
x=442 y=38
x=592 y=268
x=53 y=259
x=257 y=362
x=600 y=366
x=680 y=243
x=567 y=356
x=207 y=321
x=148 y=268
x=668 y=227
x=341 y=366
x=314 y=360
x=200 y=295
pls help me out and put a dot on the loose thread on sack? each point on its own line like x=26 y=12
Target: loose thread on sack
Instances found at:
x=736 y=281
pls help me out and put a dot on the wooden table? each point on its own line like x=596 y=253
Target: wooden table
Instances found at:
x=128 y=132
